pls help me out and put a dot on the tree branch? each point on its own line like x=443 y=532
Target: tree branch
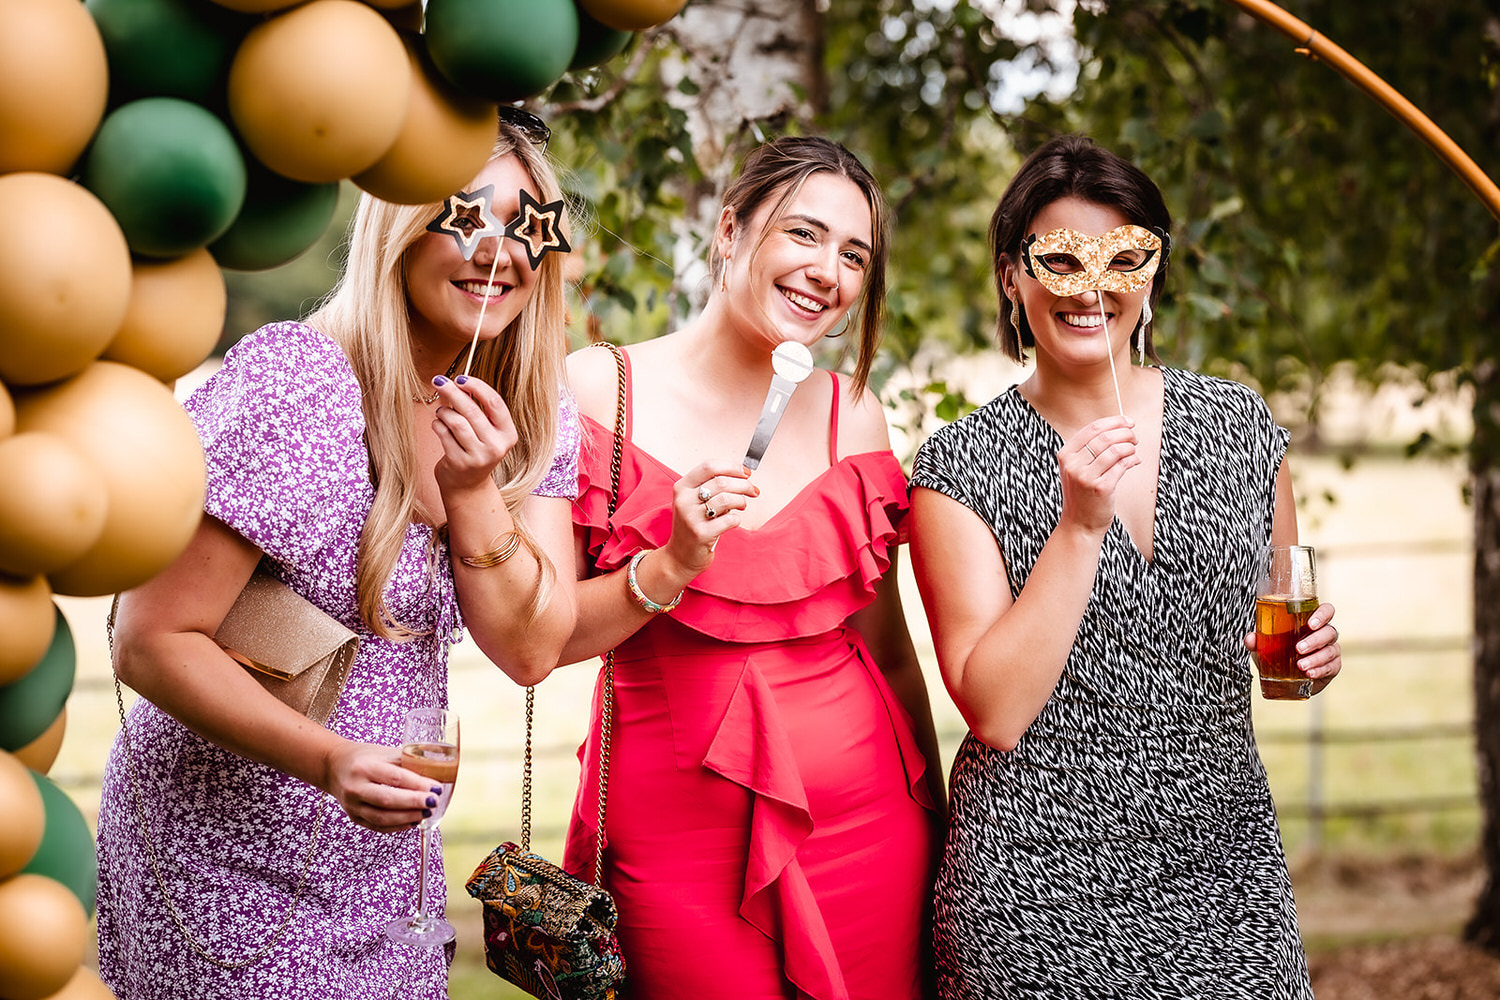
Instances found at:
x=600 y=101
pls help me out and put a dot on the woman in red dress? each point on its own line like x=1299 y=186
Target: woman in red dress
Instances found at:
x=774 y=779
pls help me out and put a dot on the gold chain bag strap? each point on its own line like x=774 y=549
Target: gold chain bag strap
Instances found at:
x=548 y=932
x=299 y=654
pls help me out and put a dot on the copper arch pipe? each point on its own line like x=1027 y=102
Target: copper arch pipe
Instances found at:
x=1316 y=46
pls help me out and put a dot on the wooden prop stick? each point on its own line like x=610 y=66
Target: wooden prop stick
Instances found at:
x=1110 y=352
x=474 y=344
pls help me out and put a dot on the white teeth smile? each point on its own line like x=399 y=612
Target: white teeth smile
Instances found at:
x=1082 y=319
x=802 y=301
x=482 y=288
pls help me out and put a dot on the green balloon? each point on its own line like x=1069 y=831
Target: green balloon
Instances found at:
x=280 y=219
x=501 y=50
x=28 y=706
x=168 y=48
x=170 y=172
x=67 y=851
x=597 y=43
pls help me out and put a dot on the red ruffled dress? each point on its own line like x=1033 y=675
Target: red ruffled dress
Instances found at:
x=769 y=831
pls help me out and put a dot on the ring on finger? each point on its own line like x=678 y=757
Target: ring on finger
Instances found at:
x=704 y=493
x=710 y=512
x=1090 y=450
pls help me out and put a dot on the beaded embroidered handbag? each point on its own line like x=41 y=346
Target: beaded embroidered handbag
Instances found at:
x=548 y=932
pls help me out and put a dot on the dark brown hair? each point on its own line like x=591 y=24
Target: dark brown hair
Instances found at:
x=776 y=170
x=1070 y=166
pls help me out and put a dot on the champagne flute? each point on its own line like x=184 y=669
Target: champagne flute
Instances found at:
x=1285 y=597
x=429 y=746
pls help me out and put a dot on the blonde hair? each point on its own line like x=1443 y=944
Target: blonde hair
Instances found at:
x=368 y=314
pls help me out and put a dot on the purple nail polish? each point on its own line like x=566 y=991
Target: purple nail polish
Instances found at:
x=437 y=789
x=462 y=379
x=426 y=813
x=431 y=802
x=439 y=380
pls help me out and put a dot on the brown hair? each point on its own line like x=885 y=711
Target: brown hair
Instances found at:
x=1070 y=166
x=775 y=171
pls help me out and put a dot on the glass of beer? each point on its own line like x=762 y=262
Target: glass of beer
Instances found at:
x=1285 y=597
x=429 y=746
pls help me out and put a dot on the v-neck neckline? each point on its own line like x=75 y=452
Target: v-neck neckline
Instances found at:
x=1116 y=525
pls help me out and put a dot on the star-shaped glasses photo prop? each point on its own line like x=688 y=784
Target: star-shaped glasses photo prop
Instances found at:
x=468 y=218
x=538 y=228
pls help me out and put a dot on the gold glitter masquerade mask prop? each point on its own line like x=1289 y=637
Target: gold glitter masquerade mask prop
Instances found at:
x=1067 y=262
x=467 y=217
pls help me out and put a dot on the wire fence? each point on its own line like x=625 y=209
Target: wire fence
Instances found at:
x=1316 y=797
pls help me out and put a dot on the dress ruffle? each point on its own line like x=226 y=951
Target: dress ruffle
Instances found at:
x=780 y=821
x=765 y=583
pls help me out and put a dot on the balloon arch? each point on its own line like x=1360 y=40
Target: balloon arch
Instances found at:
x=144 y=146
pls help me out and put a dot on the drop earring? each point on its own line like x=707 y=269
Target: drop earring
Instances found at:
x=1015 y=320
x=1140 y=334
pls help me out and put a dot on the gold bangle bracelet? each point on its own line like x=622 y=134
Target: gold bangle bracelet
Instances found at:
x=508 y=543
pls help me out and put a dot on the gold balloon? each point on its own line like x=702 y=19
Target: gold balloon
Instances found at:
x=64 y=277
x=44 y=934
x=7 y=413
x=174 y=318
x=52 y=504
x=27 y=624
x=41 y=753
x=141 y=443
x=25 y=816
x=319 y=93
x=85 y=985
x=631 y=15
x=446 y=139
x=53 y=83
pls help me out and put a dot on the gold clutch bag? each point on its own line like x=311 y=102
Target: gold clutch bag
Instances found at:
x=289 y=645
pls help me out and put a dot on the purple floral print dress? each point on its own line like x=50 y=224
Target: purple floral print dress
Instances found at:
x=282 y=431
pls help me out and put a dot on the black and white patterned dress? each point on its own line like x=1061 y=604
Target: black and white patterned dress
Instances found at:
x=1127 y=847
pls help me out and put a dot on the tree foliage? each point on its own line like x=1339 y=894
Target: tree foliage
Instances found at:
x=1312 y=225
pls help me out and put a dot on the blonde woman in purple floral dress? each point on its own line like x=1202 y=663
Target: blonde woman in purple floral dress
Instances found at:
x=345 y=454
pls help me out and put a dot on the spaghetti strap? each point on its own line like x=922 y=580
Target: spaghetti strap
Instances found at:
x=833 y=422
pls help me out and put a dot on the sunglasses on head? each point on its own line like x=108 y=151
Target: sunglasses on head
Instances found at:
x=531 y=127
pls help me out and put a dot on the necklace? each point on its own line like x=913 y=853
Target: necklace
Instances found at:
x=428 y=400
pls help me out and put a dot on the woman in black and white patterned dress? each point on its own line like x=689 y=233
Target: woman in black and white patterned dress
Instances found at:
x=1086 y=555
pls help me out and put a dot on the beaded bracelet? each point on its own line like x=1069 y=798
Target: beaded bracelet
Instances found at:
x=647 y=604
x=508 y=543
